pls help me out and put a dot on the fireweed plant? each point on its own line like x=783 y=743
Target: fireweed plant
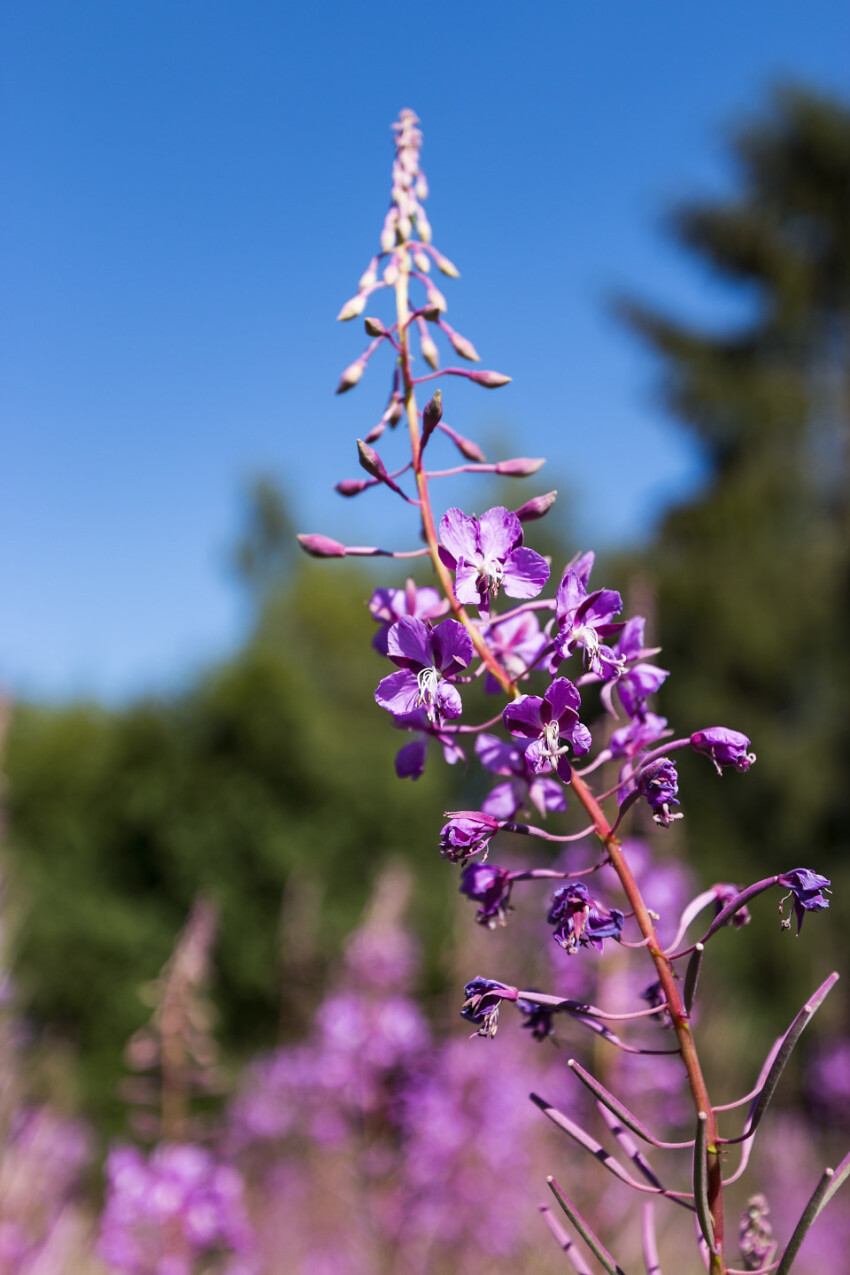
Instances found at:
x=486 y=618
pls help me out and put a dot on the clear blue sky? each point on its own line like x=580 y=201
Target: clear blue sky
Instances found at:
x=191 y=189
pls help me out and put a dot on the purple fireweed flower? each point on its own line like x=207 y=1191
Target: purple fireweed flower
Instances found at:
x=517 y=643
x=640 y=680
x=755 y=1234
x=806 y=887
x=388 y=606
x=503 y=801
x=724 y=747
x=629 y=740
x=481 y=1007
x=725 y=892
x=581 y=921
x=585 y=619
x=468 y=832
x=491 y=887
x=429 y=657
x=410 y=758
x=659 y=783
x=487 y=555
x=539 y=1019
x=548 y=722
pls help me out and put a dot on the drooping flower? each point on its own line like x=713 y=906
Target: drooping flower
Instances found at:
x=491 y=888
x=581 y=921
x=428 y=657
x=487 y=555
x=659 y=783
x=481 y=1007
x=468 y=832
x=387 y=606
x=585 y=620
x=724 y=747
x=523 y=785
x=806 y=887
x=548 y=723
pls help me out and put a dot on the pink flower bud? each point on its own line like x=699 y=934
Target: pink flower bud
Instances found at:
x=374 y=327
x=352 y=486
x=422 y=261
x=461 y=346
x=421 y=187
x=436 y=298
x=376 y=432
x=391 y=274
x=369 y=277
x=350 y=376
x=394 y=412
x=352 y=308
x=370 y=460
x=490 y=380
x=430 y=312
x=319 y=546
x=520 y=467
x=537 y=507
x=432 y=414
x=465 y=446
x=447 y=267
x=430 y=352
x=423 y=225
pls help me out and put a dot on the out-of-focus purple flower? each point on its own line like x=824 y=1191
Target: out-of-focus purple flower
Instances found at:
x=725 y=892
x=828 y=1081
x=724 y=747
x=468 y=832
x=517 y=643
x=640 y=680
x=487 y=555
x=410 y=758
x=503 y=801
x=548 y=722
x=481 y=1007
x=755 y=1234
x=428 y=659
x=581 y=921
x=629 y=740
x=584 y=620
x=491 y=888
x=387 y=606
x=659 y=783
x=806 y=887
x=539 y=1019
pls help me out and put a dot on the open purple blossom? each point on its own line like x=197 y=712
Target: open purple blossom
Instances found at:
x=410 y=758
x=491 y=888
x=724 y=747
x=807 y=888
x=552 y=724
x=586 y=620
x=640 y=680
x=428 y=657
x=481 y=1007
x=659 y=783
x=388 y=606
x=487 y=555
x=522 y=786
x=581 y=921
x=468 y=832
x=517 y=643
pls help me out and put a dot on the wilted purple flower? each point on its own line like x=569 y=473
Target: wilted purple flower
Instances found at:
x=806 y=887
x=487 y=555
x=503 y=801
x=468 y=832
x=581 y=921
x=640 y=680
x=428 y=658
x=585 y=619
x=481 y=1007
x=539 y=1019
x=659 y=783
x=491 y=887
x=389 y=605
x=517 y=643
x=724 y=747
x=547 y=722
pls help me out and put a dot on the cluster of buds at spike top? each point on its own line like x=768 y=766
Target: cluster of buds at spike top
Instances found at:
x=483 y=615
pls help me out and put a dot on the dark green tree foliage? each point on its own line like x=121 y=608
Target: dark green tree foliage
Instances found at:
x=754 y=575
x=269 y=785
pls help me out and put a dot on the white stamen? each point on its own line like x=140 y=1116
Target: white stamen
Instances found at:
x=428 y=679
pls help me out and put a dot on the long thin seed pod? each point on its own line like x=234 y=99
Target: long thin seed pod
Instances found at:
x=819 y=1197
x=748 y=1140
x=613 y=1104
x=593 y=1243
x=650 y=1248
x=692 y=977
x=574 y=1257
x=701 y=1180
x=640 y=1162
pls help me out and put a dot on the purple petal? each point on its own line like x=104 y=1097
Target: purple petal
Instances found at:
x=398 y=693
x=498 y=756
x=525 y=573
x=410 y=760
x=631 y=639
x=571 y=594
x=409 y=643
x=452 y=647
x=459 y=534
x=579 y=737
x=547 y=794
x=466 y=584
x=448 y=701
x=600 y=607
x=537 y=758
x=522 y=717
x=503 y=801
x=499 y=531
x=563 y=698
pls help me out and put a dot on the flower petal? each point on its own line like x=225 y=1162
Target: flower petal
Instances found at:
x=398 y=693
x=452 y=647
x=525 y=573
x=409 y=643
x=459 y=534
x=522 y=717
x=499 y=531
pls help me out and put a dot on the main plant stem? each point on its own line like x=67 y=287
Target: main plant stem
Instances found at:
x=604 y=831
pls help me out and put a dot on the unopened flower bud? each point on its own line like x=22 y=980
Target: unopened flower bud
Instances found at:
x=388 y=234
x=432 y=414
x=520 y=467
x=464 y=348
x=430 y=312
x=421 y=261
x=465 y=446
x=319 y=546
x=391 y=274
x=447 y=267
x=376 y=432
x=436 y=298
x=490 y=380
x=430 y=353
x=352 y=486
x=352 y=308
x=537 y=507
x=369 y=277
x=374 y=327
x=421 y=187
x=350 y=376
x=423 y=225
x=370 y=460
